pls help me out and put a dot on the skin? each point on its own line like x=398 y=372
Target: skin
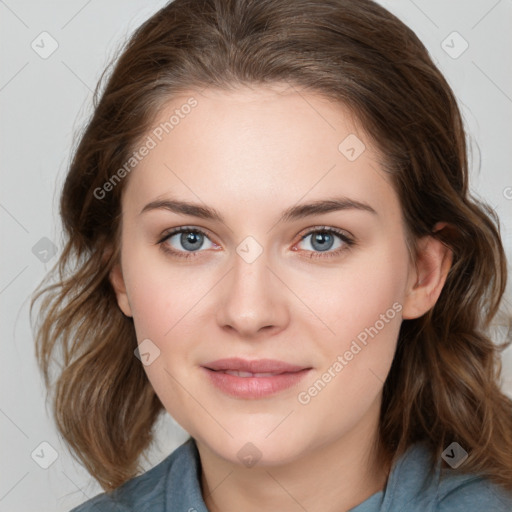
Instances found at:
x=250 y=154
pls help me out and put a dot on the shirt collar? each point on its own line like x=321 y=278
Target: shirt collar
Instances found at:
x=184 y=481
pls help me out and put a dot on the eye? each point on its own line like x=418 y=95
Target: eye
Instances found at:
x=186 y=242
x=189 y=241
x=323 y=239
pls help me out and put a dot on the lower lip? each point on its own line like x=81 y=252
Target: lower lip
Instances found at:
x=254 y=387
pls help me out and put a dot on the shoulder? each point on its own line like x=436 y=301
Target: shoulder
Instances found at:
x=418 y=483
x=468 y=493
x=144 y=492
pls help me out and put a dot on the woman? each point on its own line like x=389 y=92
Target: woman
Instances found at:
x=271 y=237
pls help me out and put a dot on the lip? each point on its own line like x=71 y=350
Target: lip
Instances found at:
x=254 y=366
x=284 y=376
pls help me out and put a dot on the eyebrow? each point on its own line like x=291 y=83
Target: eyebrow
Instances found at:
x=293 y=213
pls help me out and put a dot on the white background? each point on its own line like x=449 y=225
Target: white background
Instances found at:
x=45 y=101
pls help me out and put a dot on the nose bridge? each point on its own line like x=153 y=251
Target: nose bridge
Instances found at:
x=251 y=300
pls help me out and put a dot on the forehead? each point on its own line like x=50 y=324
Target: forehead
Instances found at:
x=263 y=146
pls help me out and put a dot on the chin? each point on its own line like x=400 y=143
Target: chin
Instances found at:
x=250 y=446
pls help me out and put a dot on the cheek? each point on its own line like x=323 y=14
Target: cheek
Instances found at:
x=362 y=307
x=362 y=289
x=160 y=292
x=148 y=303
x=160 y=298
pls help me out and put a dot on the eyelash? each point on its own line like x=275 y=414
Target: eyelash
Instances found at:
x=349 y=242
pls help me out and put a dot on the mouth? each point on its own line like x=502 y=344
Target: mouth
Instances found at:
x=253 y=379
x=237 y=373
x=256 y=366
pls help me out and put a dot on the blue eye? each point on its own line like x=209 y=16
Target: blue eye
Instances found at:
x=192 y=240
x=323 y=240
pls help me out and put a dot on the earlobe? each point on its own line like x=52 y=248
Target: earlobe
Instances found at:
x=431 y=270
x=117 y=281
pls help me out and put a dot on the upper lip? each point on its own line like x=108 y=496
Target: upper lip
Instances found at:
x=254 y=366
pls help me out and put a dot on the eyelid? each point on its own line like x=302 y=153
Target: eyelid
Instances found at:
x=173 y=231
x=314 y=229
x=347 y=239
x=182 y=229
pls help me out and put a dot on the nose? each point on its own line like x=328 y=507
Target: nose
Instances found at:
x=253 y=300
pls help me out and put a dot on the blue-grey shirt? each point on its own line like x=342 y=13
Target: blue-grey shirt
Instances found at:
x=174 y=485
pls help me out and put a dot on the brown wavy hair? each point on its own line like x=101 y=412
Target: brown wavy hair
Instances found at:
x=444 y=383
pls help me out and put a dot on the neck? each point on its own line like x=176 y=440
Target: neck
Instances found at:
x=337 y=475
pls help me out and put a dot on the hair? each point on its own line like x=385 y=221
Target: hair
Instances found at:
x=443 y=385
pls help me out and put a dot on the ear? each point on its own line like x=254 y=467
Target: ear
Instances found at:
x=429 y=275
x=117 y=281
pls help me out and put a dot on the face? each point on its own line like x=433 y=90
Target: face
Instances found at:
x=324 y=289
